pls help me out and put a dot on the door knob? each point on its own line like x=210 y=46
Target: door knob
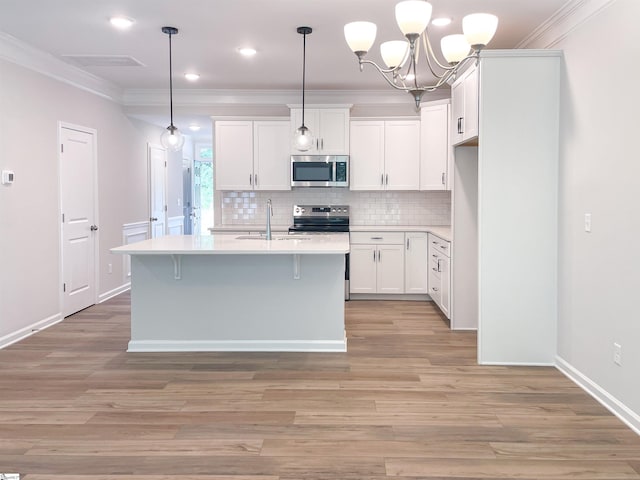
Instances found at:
x=153 y=219
x=94 y=228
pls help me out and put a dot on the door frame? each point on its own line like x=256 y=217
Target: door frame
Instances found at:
x=165 y=188
x=96 y=250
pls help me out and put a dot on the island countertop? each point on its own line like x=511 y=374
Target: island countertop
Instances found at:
x=233 y=245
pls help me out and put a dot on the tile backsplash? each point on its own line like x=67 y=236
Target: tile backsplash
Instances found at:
x=367 y=208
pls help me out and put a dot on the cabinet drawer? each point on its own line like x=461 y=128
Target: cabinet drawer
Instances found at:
x=439 y=245
x=377 y=238
x=434 y=268
x=435 y=285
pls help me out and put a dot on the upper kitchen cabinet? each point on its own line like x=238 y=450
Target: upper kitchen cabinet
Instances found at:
x=435 y=147
x=252 y=155
x=464 y=107
x=385 y=155
x=329 y=128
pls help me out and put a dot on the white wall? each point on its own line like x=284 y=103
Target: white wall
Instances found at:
x=599 y=272
x=32 y=105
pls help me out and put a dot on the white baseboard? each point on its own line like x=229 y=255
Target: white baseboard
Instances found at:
x=103 y=297
x=30 y=330
x=615 y=406
x=417 y=297
x=237 y=346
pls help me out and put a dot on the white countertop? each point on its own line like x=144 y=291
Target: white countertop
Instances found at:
x=443 y=231
x=226 y=244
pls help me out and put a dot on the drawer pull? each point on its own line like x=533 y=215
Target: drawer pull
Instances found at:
x=377 y=238
x=434 y=289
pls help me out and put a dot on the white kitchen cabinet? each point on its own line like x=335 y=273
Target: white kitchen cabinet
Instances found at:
x=376 y=262
x=464 y=104
x=329 y=127
x=385 y=155
x=416 y=262
x=440 y=272
x=252 y=155
x=435 y=146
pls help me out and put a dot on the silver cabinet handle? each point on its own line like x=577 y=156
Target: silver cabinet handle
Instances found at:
x=374 y=255
x=443 y=247
x=407 y=244
x=387 y=179
x=443 y=178
x=255 y=179
x=439 y=266
x=382 y=179
x=94 y=228
x=434 y=289
x=378 y=255
x=250 y=179
x=376 y=238
x=322 y=143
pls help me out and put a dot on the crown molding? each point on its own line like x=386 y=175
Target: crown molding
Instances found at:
x=23 y=54
x=571 y=16
x=211 y=98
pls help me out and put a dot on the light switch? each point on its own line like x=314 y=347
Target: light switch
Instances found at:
x=7 y=177
x=587 y=222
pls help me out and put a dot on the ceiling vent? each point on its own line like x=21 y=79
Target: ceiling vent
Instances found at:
x=103 y=60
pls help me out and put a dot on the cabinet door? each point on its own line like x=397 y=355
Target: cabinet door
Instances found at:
x=362 y=268
x=271 y=160
x=367 y=155
x=402 y=155
x=390 y=272
x=470 y=125
x=311 y=121
x=333 y=131
x=416 y=263
x=233 y=155
x=445 y=285
x=457 y=111
x=435 y=288
x=434 y=147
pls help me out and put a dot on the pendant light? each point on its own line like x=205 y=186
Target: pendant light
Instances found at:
x=171 y=138
x=302 y=139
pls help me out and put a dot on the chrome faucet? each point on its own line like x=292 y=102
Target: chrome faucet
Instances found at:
x=269 y=215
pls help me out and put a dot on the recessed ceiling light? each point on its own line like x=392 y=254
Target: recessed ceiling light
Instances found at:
x=121 y=22
x=194 y=127
x=247 y=51
x=441 y=21
x=192 y=76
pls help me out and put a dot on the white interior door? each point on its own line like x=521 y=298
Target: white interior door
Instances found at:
x=79 y=227
x=157 y=190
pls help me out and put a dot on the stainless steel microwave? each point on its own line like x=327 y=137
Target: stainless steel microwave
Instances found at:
x=319 y=170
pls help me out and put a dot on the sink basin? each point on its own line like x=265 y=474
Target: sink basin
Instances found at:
x=274 y=237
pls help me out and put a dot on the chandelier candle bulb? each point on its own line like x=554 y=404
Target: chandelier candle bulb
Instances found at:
x=413 y=16
x=454 y=48
x=479 y=29
x=394 y=53
x=360 y=36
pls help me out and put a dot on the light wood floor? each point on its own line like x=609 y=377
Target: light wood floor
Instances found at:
x=407 y=400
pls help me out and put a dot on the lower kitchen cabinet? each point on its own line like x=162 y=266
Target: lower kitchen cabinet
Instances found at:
x=440 y=273
x=415 y=261
x=376 y=262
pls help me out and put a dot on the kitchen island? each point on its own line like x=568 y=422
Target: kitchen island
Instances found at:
x=238 y=293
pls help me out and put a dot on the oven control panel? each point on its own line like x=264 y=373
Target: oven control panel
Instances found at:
x=321 y=210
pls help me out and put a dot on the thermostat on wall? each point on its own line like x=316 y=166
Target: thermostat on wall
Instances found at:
x=7 y=177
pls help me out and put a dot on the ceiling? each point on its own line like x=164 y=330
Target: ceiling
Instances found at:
x=211 y=31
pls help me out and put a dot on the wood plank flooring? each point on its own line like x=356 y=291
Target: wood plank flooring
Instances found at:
x=406 y=401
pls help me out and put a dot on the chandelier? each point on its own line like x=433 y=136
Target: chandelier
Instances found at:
x=401 y=57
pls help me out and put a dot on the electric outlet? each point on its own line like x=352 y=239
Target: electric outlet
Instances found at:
x=110 y=268
x=617 y=354
x=587 y=222
x=179 y=201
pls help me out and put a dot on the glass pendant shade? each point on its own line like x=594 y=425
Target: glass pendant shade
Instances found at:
x=394 y=53
x=479 y=29
x=360 y=35
x=172 y=139
x=302 y=140
x=454 y=48
x=413 y=16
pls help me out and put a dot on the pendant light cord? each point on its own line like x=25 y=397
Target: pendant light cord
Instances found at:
x=170 y=85
x=304 y=65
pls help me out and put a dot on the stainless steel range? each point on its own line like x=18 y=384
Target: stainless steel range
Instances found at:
x=318 y=219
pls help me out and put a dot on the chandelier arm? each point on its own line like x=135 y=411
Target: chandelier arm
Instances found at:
x=384 y=72
x=428 y=51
